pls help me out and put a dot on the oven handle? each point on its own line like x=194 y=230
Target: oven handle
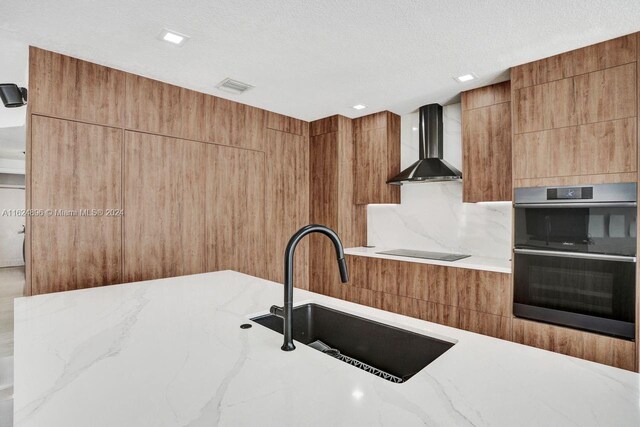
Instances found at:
x=581 y=255
x=578 y=205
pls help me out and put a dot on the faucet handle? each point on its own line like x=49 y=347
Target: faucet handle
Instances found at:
x=277 y=311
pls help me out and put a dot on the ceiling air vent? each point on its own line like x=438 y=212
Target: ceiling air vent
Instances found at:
x=233 y=86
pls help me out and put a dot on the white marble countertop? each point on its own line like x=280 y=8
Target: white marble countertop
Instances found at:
x=170 y=353
x=473 y=262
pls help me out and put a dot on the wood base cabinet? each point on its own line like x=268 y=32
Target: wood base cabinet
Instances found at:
x=477 y=301
x=585 y=345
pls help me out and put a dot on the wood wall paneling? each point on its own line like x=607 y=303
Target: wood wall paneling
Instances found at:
x=235 y=218
x=77 y=166
x=486 y=96
x=286 y=202
x=163 y=109
x=606 y=95
x=286 y=124
x=546 y=106
x=610 y=53
x=575 y=116
x=164 y=200
x=600 y=148
x=69 y=88
x=486 y=145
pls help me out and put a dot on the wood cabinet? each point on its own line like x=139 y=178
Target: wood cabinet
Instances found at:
x=575 y=116
x=597 y=348
x=235 y=214
x=331 y=188
x=486 y=144
x=377 y=148
x=478 y=301
x=190 y=206
x=76 y=242
x=69 y=88
x=164 y=109
x=286 y=202
x=164 y=204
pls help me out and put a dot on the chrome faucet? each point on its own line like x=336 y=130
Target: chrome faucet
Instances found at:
x=286 y=312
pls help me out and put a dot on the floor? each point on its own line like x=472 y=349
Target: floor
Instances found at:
x=11 y=286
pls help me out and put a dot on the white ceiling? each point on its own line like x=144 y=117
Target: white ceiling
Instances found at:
x=311 y=59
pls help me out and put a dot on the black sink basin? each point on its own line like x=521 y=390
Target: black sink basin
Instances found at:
x=391 y=353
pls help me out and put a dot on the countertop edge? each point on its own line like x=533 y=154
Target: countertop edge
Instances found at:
x=473 y=262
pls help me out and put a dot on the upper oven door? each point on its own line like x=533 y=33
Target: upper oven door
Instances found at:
x=595 y=228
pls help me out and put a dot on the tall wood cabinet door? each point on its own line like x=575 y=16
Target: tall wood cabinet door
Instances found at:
x=486 y=137
x=235 y=220
x=287 y=202
x=164 y=203
x=67 y=87
x=377 y=158
x=79 y=168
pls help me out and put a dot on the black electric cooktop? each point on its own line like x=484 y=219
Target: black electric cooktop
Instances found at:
x=440 y=256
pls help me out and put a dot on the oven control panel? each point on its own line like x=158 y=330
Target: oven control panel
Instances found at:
x=570 y=193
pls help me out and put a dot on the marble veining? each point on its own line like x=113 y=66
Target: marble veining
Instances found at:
x=432 y=216
x=170 y=353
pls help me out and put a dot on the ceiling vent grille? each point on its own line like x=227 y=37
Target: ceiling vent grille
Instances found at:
x=233 y=86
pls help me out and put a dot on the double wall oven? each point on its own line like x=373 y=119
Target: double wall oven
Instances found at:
x=575 y=257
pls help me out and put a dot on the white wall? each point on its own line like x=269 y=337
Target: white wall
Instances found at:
x=10 y=240
x=432 y=216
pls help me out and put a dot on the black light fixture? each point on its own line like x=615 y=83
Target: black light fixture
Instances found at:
x=12 y=95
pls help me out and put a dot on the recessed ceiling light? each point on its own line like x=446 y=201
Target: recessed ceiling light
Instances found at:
x=465 y=78
x=414 y=128
x=173 y=37
x=359 y=107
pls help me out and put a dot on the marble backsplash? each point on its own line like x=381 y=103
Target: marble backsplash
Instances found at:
x=432 y=216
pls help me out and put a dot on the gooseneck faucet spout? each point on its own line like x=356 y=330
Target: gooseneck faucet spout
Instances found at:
x=286 y=312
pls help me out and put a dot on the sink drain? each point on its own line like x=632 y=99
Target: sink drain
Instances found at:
x=320 y=346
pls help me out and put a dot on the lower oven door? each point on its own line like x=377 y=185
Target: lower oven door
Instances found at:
x=584 y=291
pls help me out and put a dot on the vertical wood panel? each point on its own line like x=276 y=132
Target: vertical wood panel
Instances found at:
x=331 y=197
x=486 y=96
x=486 y=149
x=485 y=323
x=69 y=88
x=77 y=167
x=599 y=148
x=545 y=154
x=286 y=124
x=484 y=291
x=164 y=109
x=287 y=202
x=606 y=95
x=610 y=53
x=164 y=190
x=377 y=153
x=235 y=221
x=546 y=106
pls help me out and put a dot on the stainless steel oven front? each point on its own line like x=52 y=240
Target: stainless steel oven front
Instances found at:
x=575 y=257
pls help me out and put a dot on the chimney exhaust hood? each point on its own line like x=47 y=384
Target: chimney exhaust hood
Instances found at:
x=430 y=167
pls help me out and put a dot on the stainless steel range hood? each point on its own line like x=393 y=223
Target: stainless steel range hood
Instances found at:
x=430 y=167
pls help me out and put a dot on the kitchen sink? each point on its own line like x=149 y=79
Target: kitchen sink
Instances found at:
x=386 y=351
